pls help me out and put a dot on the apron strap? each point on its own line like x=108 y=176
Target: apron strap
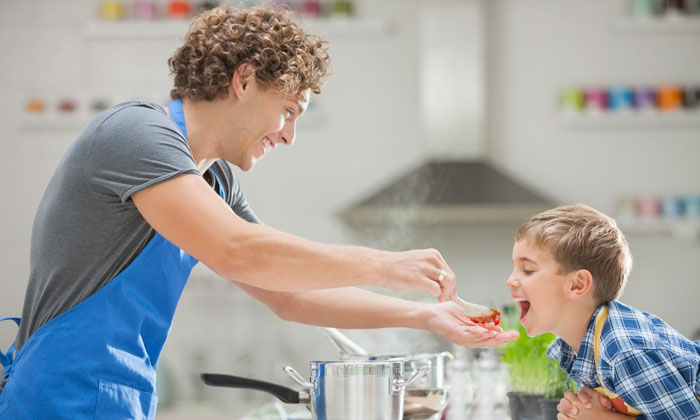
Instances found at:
x=617 y=402
x=7 y=357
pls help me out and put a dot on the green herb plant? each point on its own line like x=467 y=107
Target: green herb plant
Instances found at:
x=531 y=371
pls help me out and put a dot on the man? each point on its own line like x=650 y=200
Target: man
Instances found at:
x=144 y=193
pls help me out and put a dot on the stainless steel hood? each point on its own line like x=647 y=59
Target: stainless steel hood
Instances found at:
x=447 y=193
x=456 y=185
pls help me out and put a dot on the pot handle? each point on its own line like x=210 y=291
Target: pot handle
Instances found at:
x=284 y=394
x=297 y=378
x=447 y=355
x=398 y=384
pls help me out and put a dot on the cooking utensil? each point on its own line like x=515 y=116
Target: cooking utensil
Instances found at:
x=479 y=313
x=339 y=390
x=434 y=379
x=343 y=344
x=423 y=403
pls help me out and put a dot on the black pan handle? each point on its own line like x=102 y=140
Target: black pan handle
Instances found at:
x=284 y=394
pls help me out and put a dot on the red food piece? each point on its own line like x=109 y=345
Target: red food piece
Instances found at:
x=494 y=317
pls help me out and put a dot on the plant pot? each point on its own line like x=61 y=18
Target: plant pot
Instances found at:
x=524 y=406
x=548 y=407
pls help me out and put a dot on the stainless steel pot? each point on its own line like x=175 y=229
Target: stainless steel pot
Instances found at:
x=428 y=396
x=339 y=390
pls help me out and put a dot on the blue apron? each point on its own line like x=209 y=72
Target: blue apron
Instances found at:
x=98 y=359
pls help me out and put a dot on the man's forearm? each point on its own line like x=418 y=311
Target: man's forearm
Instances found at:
x=347 y=307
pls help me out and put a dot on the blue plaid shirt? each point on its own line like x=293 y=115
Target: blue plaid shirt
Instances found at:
x=651 y=366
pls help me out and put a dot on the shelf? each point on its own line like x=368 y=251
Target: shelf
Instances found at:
x=658 y=25
x=175 y=29
x=676 y=119
x=69 y=122
x=680 y=229
x=166 y=29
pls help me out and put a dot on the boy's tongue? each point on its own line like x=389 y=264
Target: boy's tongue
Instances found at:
x=524 y=308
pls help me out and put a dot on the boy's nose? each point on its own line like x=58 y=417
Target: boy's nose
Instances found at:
x=512 y=282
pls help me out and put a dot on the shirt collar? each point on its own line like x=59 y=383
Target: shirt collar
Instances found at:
x=582 y=365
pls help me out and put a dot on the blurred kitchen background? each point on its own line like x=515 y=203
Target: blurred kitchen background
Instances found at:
x=447 y=123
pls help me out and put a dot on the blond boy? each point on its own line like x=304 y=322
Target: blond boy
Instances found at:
x=570 y=266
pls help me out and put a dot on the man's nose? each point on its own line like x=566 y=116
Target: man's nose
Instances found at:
x=288 y=133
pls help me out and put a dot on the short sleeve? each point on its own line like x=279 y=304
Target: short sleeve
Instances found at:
x=134 y=148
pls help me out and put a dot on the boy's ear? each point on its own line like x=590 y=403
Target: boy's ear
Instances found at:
x=581 y=284
x=241 y=80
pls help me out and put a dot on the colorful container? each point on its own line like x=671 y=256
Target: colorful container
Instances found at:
x=670 y=97
x=596 y=99
x=645 y=98
x=112 y=10
x=178 y=9
x=571 y=99
x=621 y=99
x=691 y=97
x=145 y=10
x=35 y=106
x=647 y=207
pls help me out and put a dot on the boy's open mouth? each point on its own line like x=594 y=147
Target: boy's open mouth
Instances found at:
x=524 y=305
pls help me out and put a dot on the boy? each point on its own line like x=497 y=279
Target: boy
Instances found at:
x=570 y=265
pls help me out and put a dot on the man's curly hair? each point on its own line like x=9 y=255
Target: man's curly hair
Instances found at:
x=267 y=39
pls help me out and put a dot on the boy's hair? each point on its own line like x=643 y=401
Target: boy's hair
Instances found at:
x=580 y=237
x=269 y=40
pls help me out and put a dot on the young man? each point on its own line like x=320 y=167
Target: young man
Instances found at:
x=570 y=265
x=144 y=193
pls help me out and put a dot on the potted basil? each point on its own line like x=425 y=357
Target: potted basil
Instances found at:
x=537 y=383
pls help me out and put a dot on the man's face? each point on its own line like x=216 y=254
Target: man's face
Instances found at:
x=272 y=118
x=537 y=288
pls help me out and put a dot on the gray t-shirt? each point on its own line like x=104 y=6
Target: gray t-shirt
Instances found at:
x=87 y=229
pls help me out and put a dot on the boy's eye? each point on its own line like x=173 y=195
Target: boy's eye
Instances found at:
x=527 y=272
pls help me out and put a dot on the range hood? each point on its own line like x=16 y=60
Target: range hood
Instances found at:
x=445 y=192
x=456 y=185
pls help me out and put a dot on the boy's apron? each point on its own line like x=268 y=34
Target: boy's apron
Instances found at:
x=98 y=359
x=620 y=405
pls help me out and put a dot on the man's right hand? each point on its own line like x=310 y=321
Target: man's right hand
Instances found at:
x=421 y=269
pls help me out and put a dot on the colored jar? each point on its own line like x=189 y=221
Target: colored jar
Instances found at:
x=310 y=8
x=112 y=10
x=206 y=5
x=99 y=105
x=643 y=8
x=691 y=97
x=342 y=8
x=645 y=98
x=670 y=97
x=67 y=105
x=672 y=207
x=692 y=207
x=35 y=106
x=647 y=207
x=596 y=99
x=145 y=10
x=673 y=6
x=571 y=99
x=621 y=99
x=178 y=10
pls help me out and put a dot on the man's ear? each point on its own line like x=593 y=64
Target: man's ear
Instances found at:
x=241 y=80
x=580 y=284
